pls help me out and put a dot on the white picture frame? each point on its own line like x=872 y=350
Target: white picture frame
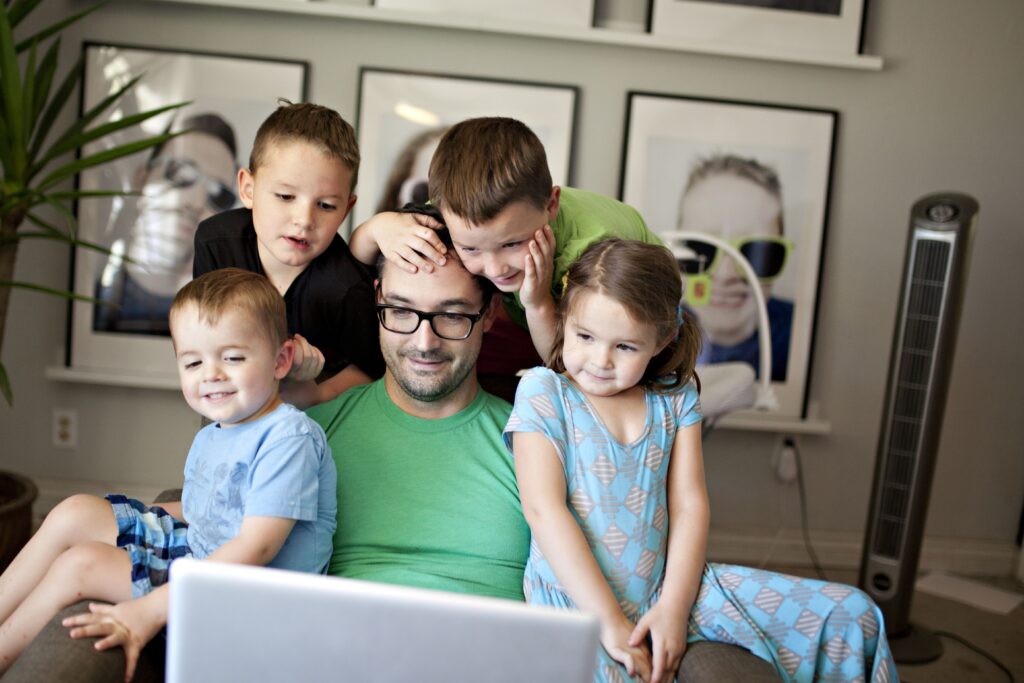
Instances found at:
x=400 y=111
x=668 y=136
x=766 y=29
x=239 y=91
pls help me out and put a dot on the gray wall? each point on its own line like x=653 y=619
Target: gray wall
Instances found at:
x=945 y=113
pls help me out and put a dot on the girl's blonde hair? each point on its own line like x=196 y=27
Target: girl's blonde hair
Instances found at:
x=645 y=279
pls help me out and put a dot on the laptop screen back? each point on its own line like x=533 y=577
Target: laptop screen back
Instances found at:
x=231 y=622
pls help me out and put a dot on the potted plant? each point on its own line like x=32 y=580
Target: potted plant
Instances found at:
x=34 y=159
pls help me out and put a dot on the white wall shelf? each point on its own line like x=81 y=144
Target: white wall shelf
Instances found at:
x=61 y=373
x=766 y=422
x=328 y=8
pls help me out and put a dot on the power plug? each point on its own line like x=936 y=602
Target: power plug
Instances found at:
x=785 y=460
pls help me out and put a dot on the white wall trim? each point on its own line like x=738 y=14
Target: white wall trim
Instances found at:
x=842 y=550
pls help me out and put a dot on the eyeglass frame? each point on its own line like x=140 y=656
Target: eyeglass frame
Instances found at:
x=474 y=318
x=739 y=242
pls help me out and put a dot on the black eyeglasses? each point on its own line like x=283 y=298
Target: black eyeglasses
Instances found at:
x=183 y=173
x=451 y=326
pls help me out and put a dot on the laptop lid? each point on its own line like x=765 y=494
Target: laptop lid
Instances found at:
x=238 y=623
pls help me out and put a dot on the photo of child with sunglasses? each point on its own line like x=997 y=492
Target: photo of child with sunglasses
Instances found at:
x=739 y=200
x=188 y=179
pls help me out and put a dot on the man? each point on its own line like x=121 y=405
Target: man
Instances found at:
x=426 y=490
x=429 y=492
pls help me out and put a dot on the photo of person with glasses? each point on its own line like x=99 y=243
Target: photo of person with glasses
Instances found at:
x=183 y=182
x=739 y=200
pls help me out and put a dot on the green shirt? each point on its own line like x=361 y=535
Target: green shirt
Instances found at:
x=584 y=218
x=425 y=503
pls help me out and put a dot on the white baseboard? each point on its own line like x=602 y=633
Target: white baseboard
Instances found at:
x=842 y=550
x=754 y=547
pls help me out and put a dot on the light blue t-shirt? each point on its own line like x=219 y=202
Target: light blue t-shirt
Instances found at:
x=277 y=466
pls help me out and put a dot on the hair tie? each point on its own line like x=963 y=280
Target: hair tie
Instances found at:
x=565 y=281
x=679 y=320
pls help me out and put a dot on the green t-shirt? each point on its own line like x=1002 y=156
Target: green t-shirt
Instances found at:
x=584 y=218
x=425 y=503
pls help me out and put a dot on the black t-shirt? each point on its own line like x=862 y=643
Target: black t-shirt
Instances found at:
x=330 y=303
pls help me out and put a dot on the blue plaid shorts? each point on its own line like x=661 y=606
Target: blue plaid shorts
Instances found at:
x=153 y=538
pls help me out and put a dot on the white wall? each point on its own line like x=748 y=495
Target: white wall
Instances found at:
x=945 y=113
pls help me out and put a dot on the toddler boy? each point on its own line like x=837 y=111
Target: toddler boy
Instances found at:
x=296 y=192
x=260 y=485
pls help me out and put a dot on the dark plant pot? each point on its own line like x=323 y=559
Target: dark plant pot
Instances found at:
x=16 y=496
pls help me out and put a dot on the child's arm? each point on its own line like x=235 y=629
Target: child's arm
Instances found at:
x=535 y=294
x=133 y=623
x=689 y=517
x=542 y=490
x=409 y=240
x=307 y=394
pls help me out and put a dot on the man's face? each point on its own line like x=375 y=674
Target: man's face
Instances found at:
x=730 y=207
x=427 y=368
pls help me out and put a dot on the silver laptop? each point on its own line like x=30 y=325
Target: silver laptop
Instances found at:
x=236 y=623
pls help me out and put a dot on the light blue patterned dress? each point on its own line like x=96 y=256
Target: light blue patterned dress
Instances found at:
x=809 y=630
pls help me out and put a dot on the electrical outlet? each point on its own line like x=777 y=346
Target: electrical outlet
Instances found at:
x=65 y=428
x=785 y=459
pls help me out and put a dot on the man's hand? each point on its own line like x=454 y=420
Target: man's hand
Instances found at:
x=667 y=628
x=129 y=625
x=307 y=363
x=538 y=270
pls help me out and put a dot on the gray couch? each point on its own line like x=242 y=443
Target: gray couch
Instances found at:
x=54 y=656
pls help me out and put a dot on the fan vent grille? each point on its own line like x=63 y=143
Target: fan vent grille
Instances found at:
x=919 y=336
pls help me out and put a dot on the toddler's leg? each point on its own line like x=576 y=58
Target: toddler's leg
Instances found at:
x=78 y=519
x=94 y=570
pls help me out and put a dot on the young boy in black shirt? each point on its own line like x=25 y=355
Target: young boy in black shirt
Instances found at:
x=297 y=191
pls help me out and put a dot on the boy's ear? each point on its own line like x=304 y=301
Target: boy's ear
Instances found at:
x=351 y=202
x=553 y=201
x=283 y=362
x=245 y=187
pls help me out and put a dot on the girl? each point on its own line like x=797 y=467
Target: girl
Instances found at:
x=608 y=457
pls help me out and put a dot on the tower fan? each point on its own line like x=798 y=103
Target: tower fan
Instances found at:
x=934 y=275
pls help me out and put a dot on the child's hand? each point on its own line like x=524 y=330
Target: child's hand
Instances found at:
x=616 y=641
x=409 y=240
x=129 y=625
x=307 y=363
x=667 y=628
x=538 y=270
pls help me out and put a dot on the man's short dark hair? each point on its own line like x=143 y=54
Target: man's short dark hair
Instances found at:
x=487 y=288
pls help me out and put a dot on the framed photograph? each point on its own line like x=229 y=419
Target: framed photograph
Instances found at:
x=190 y=178
x=402 y=115
x=808 y=26
x=758 y=176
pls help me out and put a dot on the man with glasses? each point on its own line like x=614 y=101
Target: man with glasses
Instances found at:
x=427 y=494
